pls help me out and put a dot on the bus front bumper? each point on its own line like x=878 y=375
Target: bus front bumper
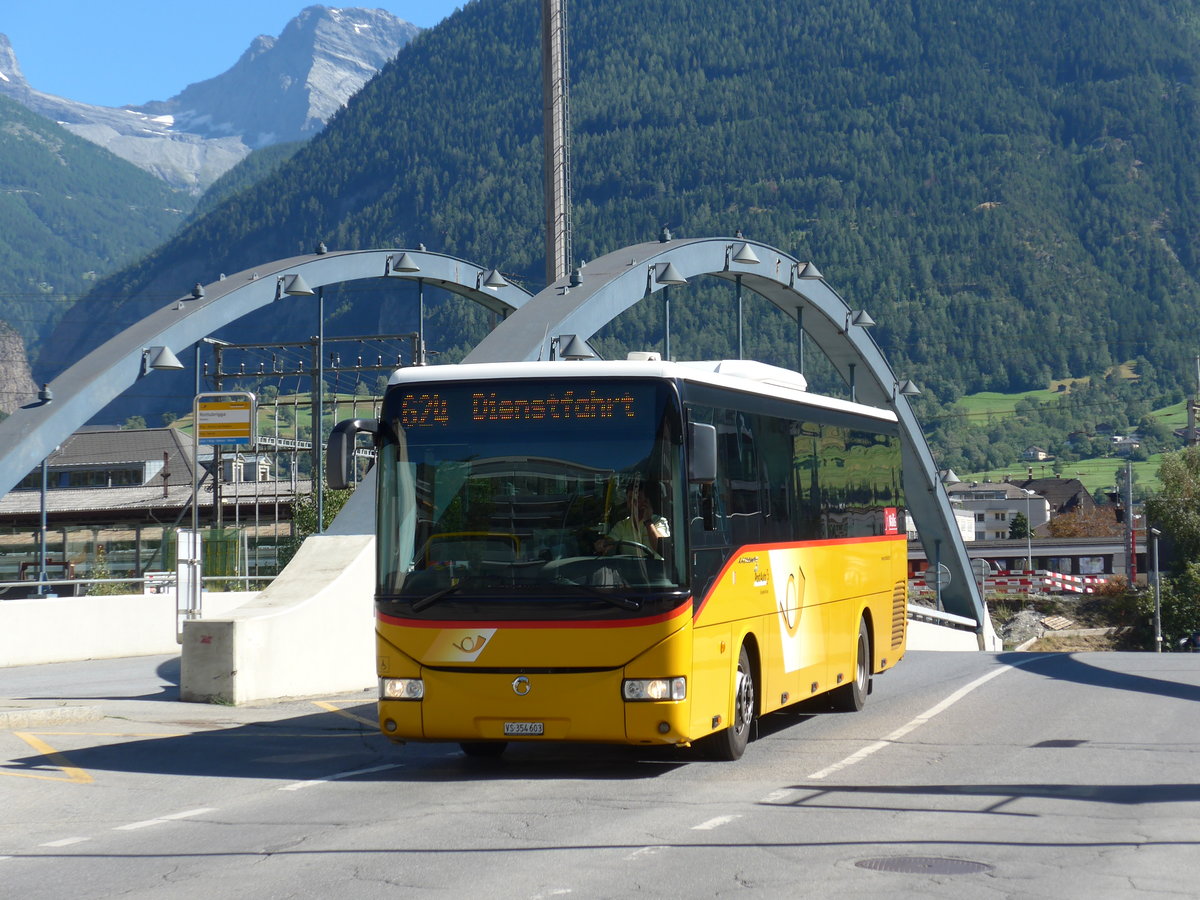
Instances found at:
x=462 y=705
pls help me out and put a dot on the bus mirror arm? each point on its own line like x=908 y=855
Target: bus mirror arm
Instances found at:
x=339 y=451
x=702 y=458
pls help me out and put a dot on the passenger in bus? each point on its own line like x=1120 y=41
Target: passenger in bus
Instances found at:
x=641 y=526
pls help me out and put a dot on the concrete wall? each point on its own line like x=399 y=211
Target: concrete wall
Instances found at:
x=311 y=632
x=65 y=629
x=928 y=636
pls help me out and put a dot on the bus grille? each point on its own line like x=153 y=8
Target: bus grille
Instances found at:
x=899 y=612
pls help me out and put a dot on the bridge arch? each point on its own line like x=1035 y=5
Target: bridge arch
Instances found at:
x=32 y=432
x=597 y=293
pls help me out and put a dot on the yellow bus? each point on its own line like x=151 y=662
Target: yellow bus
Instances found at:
x=638 y=551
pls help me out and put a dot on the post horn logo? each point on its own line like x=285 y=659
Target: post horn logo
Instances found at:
x=521 y=686
x=471 y=644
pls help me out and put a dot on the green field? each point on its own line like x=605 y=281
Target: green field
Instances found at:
x=991 y=403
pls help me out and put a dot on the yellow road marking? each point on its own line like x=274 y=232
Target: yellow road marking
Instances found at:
x=74 y=774
x=341 y=712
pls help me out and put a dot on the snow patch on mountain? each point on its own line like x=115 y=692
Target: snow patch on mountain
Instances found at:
x=281 y=89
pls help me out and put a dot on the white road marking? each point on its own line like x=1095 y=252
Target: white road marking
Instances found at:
x=66 y=842
x=300 y=785
x=916 y=723
x=776 y=796
x=645 y=851
x=714 y=823
x=147 y=823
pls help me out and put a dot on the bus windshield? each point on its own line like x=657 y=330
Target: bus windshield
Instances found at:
x=531 y=490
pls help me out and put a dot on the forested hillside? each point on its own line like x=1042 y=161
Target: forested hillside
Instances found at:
x=68 y=210
x=1012 y=189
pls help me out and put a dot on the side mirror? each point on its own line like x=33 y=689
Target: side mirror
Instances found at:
x=339 y=451
x=702 y=453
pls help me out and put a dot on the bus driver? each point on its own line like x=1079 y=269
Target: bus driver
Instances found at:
x=641 y=526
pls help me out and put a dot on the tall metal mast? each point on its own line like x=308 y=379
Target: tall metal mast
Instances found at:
x=556 y=126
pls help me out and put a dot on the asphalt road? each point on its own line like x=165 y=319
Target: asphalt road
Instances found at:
x=967 y=775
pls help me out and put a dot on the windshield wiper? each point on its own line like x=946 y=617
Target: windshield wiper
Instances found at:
x=430 y=599
x=617 y=600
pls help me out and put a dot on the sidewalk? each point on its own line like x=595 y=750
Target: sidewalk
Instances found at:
x=140 y=691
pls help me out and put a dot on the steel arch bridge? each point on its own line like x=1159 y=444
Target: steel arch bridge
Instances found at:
x=32 y=432
x=591 y=297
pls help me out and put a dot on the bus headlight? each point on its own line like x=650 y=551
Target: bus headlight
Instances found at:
x=401 y=689
x=654 y=688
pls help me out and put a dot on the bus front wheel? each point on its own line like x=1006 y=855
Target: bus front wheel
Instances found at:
x=853 y=696
x=730 y=743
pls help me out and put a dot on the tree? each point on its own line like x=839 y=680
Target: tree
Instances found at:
x=1020 y=527
x=1098 y=522
x=304 y=519
x=1176 y=510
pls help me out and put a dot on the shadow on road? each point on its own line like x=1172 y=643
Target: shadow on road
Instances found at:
x=325 y=745
x=827 y=797
x=1077 y=668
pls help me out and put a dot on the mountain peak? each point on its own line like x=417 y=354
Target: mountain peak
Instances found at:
x=10 y=70
x=281 y=89
x=286 y=88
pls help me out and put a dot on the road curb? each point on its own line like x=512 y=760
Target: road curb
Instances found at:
x=29 y=717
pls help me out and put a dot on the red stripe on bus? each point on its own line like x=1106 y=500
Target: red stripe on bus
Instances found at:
x=535 y=623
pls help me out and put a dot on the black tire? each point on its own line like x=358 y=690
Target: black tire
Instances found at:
x=730 y=743
x=852 y=697
x=484 y=749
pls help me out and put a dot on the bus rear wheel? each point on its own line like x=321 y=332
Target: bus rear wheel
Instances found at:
x=853 y=696
x=730 y=743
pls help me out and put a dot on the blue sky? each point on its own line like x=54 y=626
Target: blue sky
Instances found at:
x=118 y=52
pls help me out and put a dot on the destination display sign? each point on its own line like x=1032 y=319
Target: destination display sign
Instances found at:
x=229 y=420
x=515 y=404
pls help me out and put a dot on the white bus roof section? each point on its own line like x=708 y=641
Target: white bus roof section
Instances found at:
x=739 y=375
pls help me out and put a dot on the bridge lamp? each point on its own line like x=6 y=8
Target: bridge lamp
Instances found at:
x=570 y=346
x=859 y=318
x=292 y=285
x=159 y=359
x=805 y=271
x=404 y=264
x=745 y=255
x=492 y=279
x=905 y=388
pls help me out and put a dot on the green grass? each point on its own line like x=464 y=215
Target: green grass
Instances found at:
x=991 y=403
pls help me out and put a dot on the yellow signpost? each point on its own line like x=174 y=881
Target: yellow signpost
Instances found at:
x=225 y=421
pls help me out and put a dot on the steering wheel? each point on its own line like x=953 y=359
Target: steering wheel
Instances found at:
x=650 y=553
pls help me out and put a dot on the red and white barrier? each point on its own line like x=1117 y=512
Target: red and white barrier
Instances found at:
x=1025 y=581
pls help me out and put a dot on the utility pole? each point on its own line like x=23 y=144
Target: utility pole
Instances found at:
x=556 y=129
x=1191 y=407
x=1130 y=532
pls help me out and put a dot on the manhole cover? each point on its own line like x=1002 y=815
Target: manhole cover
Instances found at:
x=924 y=865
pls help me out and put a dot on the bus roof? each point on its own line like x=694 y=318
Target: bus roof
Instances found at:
x=746 y=376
